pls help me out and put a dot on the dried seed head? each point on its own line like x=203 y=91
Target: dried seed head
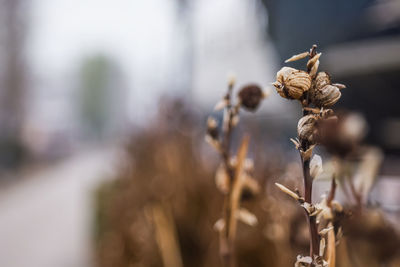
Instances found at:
x=322 y=79
x=291 y=83
x=306 y=128
x=326 y=96
x=212 y=128
x=323 y=93
x=250 y=96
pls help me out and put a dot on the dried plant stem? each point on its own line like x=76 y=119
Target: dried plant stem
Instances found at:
x=231 y=207
x=308 y=180
x=233 y=172
x=226 y=241
x=312 y=223
x=166 y=236
x=331 y=247
x=237 y=186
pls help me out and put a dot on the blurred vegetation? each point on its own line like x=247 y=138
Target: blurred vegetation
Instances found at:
x=168 y=171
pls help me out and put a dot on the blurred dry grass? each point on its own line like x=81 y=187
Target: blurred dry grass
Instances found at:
x=161 y=209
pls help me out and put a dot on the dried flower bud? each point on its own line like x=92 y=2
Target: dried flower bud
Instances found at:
x=291 y=83
x=306 y=128
x=212 y=128
x=326 y=96
x=324 y=93
x=250 y=96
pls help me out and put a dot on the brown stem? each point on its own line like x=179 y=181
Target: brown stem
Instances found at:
x=312 y=223
x=226 y=244
x=308 y=180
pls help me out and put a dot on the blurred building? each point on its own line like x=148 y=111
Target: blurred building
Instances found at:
x=12 y=80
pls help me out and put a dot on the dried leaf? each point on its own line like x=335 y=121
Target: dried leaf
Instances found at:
x=286 y=190
x=321 y=247
x=246 y=217
x=325 y=230
x=221 y=105
x=295 y=142
x=316 y=166
x=313 y=60
x=303 y=261
x=307 y=154
x=222 y=179
x=339 y=85
x=297 y=57
x=314 y=69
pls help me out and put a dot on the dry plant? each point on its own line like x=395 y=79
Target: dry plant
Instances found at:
x=234 y=174
x=317 y=94
x=369 y=239
x=161 y=207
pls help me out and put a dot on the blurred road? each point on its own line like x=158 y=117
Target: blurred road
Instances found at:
x=45 y=219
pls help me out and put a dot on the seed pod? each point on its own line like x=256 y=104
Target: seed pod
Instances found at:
x=326 y=96
x=250 y=97
x=306 y=128
x=322 y=79
x=292 y=83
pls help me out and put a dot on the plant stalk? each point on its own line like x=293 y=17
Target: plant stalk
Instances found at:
x=312 y=221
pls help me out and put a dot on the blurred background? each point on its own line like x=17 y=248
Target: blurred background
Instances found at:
x=83 y=84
